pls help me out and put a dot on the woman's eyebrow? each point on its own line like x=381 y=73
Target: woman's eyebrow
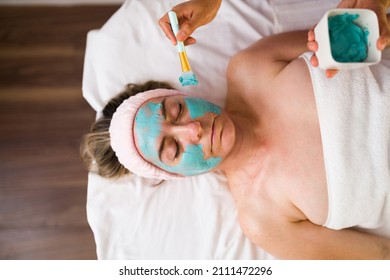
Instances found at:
x=163 y=109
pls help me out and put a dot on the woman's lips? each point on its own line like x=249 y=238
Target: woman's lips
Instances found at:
x=213 y=135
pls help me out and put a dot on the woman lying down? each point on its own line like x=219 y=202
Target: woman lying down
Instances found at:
x=306 y=157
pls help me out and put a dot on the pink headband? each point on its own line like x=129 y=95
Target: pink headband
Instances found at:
x=122 y=138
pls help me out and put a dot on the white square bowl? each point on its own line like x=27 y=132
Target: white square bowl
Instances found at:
x=367 y=20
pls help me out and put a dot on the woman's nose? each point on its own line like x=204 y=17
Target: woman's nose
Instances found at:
x=188 y=132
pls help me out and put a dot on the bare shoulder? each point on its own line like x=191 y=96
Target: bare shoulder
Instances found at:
x=241 y=73
x=263 y=210
x=250 y=71
x=264 y=226
x=242 y=83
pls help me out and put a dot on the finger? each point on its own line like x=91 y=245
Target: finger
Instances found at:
x=383 y=42
x=384 y=39
x=314 y=60
x=312 y=46
x=330 y=73
x=190 y=41
x=185 y=31
x=310 y=35
x=166 y=28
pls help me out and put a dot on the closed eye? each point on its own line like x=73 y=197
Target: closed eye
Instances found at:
x=179 y=112
x=169 y=150
x=177 y=149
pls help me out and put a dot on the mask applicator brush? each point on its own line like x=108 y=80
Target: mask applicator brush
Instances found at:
x=187 y=78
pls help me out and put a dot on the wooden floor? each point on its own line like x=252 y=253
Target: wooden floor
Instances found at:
x=43 y=184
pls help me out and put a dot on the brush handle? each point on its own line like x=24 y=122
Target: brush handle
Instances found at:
x=175 y=28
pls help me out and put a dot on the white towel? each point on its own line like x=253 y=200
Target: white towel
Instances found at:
x=354 y=114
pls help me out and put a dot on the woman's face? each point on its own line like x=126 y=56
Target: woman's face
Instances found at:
x=183 y=135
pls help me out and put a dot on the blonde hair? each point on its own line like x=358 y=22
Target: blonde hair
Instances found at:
x=95 y=148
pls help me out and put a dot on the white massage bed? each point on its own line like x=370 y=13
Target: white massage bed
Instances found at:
x=193 y=218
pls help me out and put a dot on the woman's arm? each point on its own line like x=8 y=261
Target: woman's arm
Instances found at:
x=305 y=240
x=265 y=60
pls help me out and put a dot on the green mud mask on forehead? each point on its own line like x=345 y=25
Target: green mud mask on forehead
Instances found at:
x=148 y=129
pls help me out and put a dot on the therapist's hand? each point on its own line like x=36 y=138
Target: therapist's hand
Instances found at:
x=379 y=7
x=313 y=47
x=191 y=15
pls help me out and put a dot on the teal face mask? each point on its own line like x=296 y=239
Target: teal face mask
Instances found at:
x=148 y=129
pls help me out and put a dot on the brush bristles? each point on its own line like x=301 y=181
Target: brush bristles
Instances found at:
x=188 y=79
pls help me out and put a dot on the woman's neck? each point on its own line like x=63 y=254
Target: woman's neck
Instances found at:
x=250 y=144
